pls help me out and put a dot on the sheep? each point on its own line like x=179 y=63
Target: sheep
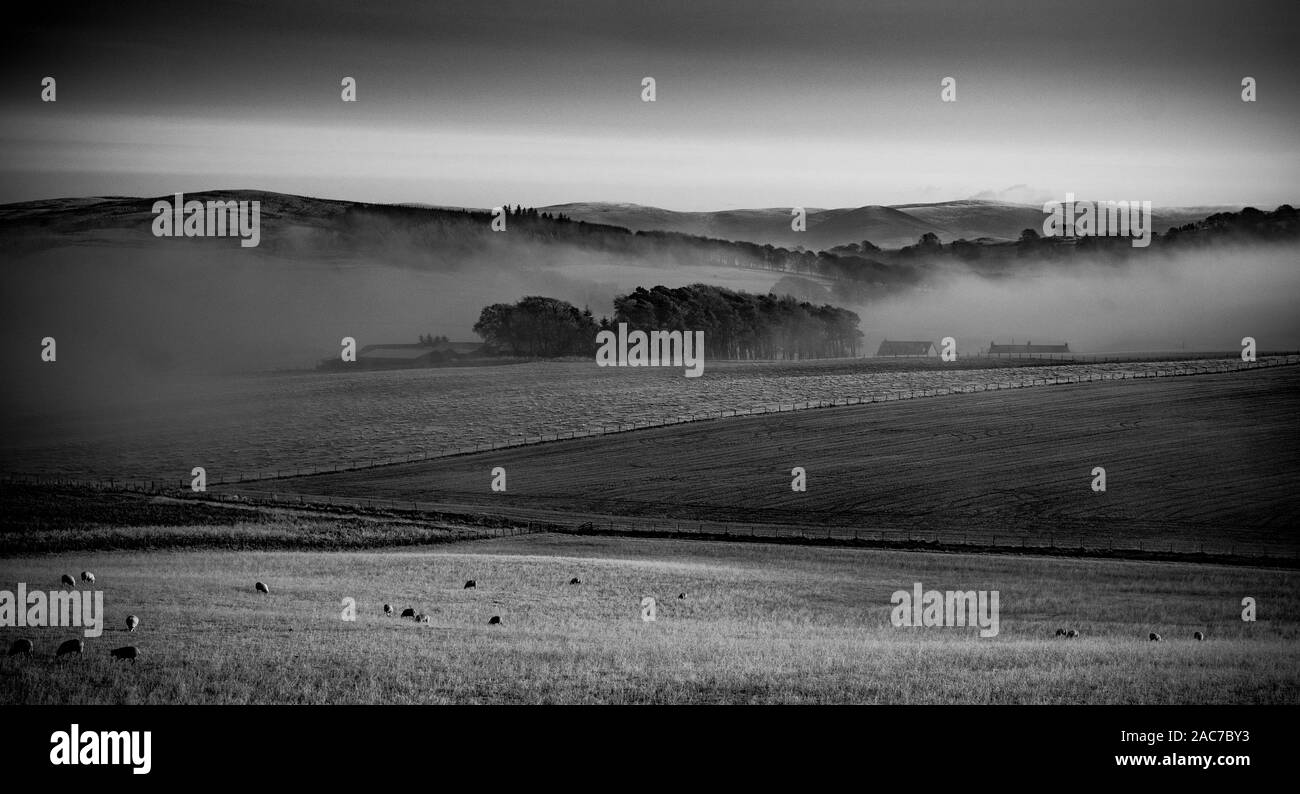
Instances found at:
x=470 y=583
x=68 y=580
x=1072 y=633
x=1060 y=632
x=422 y=618
x=21 y=647
x=388 y=610
x=495 y=621
x=71 y=646
x=87 y=577
x=262 y=588
x=681 y=595
x=128 y=652
x=575 y=580
x=132 y=622
x=408 y=613
x=1198 y=636
x=1155 y=637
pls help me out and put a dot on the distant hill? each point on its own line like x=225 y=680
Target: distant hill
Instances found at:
x=885 y=226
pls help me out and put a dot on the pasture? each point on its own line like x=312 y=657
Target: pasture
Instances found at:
x=760 y=624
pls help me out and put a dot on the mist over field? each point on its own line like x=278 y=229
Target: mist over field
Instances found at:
x=1200 y=300
x=124 y=316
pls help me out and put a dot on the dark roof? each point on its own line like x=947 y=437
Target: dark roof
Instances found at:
x=415 y=351
x=995 y=348
x=394 y=351
x=888 y=348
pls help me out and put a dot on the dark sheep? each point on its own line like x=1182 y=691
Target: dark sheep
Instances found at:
x=575 y=580
x=495 y=621
x=129 y=652
x=388 y=609
x=68 y=580
x=1072 y=633
x=132 y=622
x=1198 y=636
x=1060 y=632
x=71 y=646
x=21 y=647
x=1155 y=637
x=421 y=618
x=469 y=583
x=87 y=577
x=262 y=588
x=408 y=613
x=681 y=595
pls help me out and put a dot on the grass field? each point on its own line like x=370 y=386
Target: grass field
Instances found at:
x=1211 y=461
x=759 y=624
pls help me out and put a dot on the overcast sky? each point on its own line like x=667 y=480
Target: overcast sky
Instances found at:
x=813 y=104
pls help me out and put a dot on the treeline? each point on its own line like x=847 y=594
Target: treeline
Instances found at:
x=739 y=325
x=736 y=325
x=537 y=327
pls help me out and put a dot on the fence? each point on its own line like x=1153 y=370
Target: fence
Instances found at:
x=469 y=521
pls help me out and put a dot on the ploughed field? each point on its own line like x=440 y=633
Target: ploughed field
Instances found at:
x=759 y=624
x=1208 y=463
x=160 y=428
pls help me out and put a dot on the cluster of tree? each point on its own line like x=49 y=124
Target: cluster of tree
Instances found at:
x=518 y=213
x=433 y=341
x=537 y=327
x=1249 y=224
x=739 y=325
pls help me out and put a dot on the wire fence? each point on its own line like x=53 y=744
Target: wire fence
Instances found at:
x=470 y=521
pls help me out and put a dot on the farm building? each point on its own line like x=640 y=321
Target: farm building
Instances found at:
x=1027 y=349
x=917 y=349
x=398 y=356
x=404 y=356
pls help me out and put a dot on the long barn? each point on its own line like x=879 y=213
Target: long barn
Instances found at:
x=1027 y=349
x=896 y=348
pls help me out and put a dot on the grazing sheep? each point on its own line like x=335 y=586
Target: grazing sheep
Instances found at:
x=132 y=622
x=71 y=646
x=495 y=621
x=1198 y=636
x=1072 y=633
x=575 y=580
x=681 y=595
x=1155 y=637
x=87 y=577
x=408 y=613
x=421 y=618
x=68 y=580
x=1060 y=632
x=23 y=647
x=129 y=652
x=388 y=610
x=469 y=583
x=262 y=588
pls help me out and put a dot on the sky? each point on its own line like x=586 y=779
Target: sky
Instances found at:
x=758 y=104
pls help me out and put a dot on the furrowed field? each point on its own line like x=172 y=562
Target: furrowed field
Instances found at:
x=758 y=624
x=1206 y=463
